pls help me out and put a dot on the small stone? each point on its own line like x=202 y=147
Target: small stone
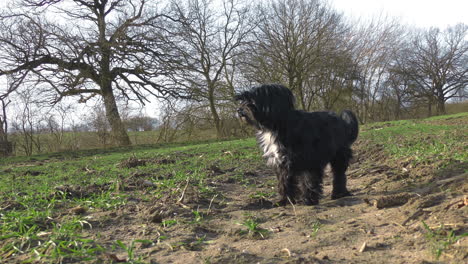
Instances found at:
x=286 y=251
x=147 y=183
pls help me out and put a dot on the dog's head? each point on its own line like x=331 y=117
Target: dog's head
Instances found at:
x=265 y=106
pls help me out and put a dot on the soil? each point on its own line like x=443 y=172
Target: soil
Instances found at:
x=381 y=223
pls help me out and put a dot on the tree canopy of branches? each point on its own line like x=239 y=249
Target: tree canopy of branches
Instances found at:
x=106 y=48
x=207 y=42
x=300 y=44
x=437 y=63
x=377 y=44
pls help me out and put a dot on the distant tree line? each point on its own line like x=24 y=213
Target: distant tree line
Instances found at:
x=194 y=55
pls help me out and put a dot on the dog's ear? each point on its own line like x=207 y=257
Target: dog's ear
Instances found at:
x=244 y=96
x=238 y=97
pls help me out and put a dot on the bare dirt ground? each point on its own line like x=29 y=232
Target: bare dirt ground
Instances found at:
x=239 y=223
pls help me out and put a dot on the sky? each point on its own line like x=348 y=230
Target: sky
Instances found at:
x=419 y=13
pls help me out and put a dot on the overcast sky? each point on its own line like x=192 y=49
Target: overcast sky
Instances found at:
x=420 y=13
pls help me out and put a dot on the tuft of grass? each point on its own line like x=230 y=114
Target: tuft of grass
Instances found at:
x=198 y=243
x=316 y=225
x=440 y=239
x=253 y=228
x=168 y=223
x=197 y=217
x=261 y=195
x=130 y=249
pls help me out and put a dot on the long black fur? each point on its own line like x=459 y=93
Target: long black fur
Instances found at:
x=299 y=144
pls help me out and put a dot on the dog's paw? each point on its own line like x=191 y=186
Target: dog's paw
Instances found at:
x=285 y=201
x=339 y=195
x=311 y=202
x=281 y=202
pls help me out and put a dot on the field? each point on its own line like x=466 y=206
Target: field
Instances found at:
x=214 y=202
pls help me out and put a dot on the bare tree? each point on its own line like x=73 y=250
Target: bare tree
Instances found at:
x=100 y=124
x=377 y=43
x=56 y=121
x=207 y=42
x=294 y=41
x=26 y=123
x=140 y=122
x=170 y=124
x=399 y=91
x=106 y=48
x=437 y=61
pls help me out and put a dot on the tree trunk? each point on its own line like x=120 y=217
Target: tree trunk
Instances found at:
x=6 y=148
x=429 y=106
x=3 y=133
x=398 y=107
x=214 y=113
x=440 y=100
x=301 y=97
x=119 y=134
x=441 y=106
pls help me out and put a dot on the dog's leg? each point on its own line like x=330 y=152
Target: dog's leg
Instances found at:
x=339 y=165
x=286 y=185
x=310 y=185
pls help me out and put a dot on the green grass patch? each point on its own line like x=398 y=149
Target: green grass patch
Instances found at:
x=441 y=138
x=447 y=117
x=38 y=193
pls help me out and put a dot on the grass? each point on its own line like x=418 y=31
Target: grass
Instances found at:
x=169 y=223
x=38 y=193
x=130 y=250
x=441 y=138
x=315 y=227
x=253 y=228
x=89 y=141
x=261 y=195
x=197 y=217
x=440 y=239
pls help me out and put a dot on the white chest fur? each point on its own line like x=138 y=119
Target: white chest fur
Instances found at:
x=269 y=145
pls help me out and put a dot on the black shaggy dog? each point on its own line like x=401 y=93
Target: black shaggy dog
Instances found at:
x=299 y=144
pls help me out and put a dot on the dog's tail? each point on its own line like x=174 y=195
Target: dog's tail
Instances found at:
x=352 y=125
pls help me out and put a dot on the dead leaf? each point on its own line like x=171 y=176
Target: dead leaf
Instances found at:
x=363 y=247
